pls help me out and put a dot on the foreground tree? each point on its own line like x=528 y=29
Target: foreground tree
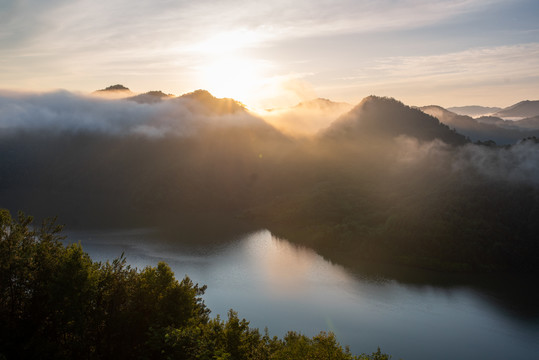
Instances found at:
x=55 y=302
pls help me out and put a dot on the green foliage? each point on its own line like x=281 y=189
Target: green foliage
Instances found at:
x=55 y=302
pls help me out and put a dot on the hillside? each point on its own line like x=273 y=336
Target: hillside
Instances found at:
x=385 y=117
x=474 y=110
x=522 y=109
x=481 y=129
x=117 y=91
x=150 y=97
x=384 y=182
x=203 y=100
x=529 y=123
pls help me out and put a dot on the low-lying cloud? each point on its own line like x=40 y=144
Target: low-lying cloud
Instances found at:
x=518 y=163
x=67 y=112
x=64 y=112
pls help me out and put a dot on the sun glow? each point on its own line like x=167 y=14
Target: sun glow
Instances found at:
x=226 y=70
x=227 y=42
x=233 y=77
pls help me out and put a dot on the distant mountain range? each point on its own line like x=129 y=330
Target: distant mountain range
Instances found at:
x=374 y=115
x=501 y=131
x=474 y=110
x=383 y=181
x=522 y=109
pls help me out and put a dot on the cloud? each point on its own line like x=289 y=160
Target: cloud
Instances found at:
x=519 y=163
x=160 y=38
x=478 y=63
x=516 y=164
x=128 y=23
x=63 y=111
x=496 y=76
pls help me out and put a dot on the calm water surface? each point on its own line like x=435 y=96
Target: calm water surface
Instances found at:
x=273 y=283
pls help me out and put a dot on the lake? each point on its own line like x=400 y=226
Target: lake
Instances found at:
x=409 y=314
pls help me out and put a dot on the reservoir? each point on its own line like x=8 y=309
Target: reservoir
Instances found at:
x=275 y=284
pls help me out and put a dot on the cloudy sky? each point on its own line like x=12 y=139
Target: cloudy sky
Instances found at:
x=276 y=53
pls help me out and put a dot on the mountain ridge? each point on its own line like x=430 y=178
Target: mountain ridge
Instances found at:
x=384 y=116
x=522 y=109
x=474 y=110
x=484 y=128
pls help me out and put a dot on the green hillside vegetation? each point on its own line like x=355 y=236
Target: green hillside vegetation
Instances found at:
x=56 y=303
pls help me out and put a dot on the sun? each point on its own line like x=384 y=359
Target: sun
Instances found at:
x=225 y=67
x=232 y=77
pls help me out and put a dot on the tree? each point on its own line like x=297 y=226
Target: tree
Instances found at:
x=57 y=303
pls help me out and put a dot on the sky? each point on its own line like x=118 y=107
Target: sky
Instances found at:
x=276 y=53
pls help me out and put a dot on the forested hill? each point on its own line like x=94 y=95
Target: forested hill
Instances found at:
x=386 y=117
x=385 y=182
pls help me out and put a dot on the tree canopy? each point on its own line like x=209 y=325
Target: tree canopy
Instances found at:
x=55 y=302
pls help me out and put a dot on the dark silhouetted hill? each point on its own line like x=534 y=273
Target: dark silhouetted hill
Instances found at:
x=387 y=117
x=203 y=101
x=114 y=92
x=117 y=87
x=150 y=97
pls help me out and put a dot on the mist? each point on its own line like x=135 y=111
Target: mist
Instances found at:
x=63 y=111
x=306 y=118
x=517 y=164
x=382 y=181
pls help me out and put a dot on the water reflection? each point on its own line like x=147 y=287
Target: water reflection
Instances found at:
x=286 y=269
x=285 y=287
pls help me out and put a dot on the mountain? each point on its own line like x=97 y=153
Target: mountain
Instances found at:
x=474 y=110
x=480 y=129
x=522 y=109
x=387 y=117
x=117 y=91
x=234 y=121
x=528 y=123
x=493 y=120
x=210 y=155
x=117 y=87
x=531 y=123
x=352 y=192
x=202 y=100
x=150 y=97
